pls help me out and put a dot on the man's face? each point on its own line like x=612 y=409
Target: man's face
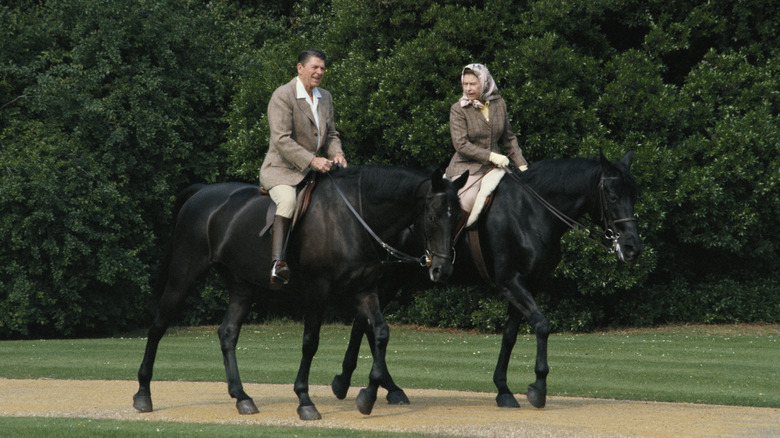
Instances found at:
x=311 y=73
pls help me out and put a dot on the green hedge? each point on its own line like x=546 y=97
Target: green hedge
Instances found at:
x=107 y=109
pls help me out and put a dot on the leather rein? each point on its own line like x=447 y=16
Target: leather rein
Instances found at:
x=424 y=261
x=609 y=224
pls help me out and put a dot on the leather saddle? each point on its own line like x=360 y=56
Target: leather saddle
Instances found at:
x=303 y=198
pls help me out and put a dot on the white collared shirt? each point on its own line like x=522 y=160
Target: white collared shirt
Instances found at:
x=301 y=93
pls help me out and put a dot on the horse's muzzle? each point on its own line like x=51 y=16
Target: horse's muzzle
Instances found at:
x=629 y=250
x=440 y=272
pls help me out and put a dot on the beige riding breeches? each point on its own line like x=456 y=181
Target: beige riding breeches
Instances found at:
x=284 y=198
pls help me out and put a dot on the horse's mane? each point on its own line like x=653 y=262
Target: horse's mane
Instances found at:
x=382 y=181
x=560 y=175
x=563 y=175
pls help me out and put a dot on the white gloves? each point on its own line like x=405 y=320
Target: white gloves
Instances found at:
x=523 y=168
x=499 y=160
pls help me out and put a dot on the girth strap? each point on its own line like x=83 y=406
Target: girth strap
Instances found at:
x=304 y=199
x=476 y=254
x=476 y=248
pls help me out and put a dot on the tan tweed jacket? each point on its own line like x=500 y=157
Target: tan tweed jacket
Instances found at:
x=474 y=138
x=293 y=141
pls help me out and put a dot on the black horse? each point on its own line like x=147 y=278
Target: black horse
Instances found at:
x=520 y=240
x=334 y=258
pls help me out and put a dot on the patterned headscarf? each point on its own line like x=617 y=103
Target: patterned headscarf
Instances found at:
x=489 y=88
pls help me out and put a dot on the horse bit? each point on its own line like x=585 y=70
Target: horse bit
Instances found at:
x=609 y=225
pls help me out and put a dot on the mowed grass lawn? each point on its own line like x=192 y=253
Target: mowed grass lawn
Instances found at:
x=732 y=365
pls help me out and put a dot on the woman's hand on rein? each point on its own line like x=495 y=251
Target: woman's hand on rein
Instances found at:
x=499 y=160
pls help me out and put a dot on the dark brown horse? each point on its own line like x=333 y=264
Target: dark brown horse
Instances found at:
x=333 y=255
x=520 y=238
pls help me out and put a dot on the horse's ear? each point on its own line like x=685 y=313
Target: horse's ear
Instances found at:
x=604 y=161
x=436 y=180
x=461 y=180
x=627 y=159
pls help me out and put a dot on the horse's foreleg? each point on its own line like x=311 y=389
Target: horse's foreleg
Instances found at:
x=505 y=398
x=537 y=391
x=240 y=303
x=369 y=307
x=521 y=303
x=311 y=342
x=395 y=395
x=342 y=382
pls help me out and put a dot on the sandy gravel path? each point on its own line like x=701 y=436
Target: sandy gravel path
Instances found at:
x=432 y=411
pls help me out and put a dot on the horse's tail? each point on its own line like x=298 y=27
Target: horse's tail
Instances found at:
x=162 y=275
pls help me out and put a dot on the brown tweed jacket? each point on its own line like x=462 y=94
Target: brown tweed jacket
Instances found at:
x=474 y=138
x=293 y=141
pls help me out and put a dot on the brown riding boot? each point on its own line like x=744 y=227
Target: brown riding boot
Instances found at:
x=280 y=273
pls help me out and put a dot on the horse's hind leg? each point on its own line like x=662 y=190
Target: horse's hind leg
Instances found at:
x=175 y=291
x=241 y=298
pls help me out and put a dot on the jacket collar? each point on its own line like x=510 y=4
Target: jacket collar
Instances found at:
x=300 y=90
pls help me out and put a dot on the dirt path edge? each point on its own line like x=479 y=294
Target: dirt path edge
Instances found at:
x=451 y=413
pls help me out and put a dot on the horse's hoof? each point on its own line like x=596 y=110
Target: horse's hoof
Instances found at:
x=339 y=387
x=308 y=413
x=365 y=401
x=142 y=403
x=536 y=397
x=507 y=401
x=246 y=407
x=397 y=398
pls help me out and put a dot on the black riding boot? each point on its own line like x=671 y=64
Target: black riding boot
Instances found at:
x=280 y=273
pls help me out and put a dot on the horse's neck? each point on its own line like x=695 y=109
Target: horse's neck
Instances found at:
x=574 y=195
x=389 y=214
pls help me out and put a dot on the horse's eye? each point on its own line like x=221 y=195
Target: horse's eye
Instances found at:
x=431 y=218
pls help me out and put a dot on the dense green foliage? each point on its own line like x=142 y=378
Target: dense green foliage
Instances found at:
x=108 y=109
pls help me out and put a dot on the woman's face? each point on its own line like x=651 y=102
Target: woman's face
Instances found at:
x=471 y=86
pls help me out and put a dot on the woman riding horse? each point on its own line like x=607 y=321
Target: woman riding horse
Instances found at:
x=519 y=236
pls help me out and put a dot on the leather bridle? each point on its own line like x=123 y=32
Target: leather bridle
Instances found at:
x=609 y=233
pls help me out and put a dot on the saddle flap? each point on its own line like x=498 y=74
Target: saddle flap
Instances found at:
x=465 y=222
x=303 y=199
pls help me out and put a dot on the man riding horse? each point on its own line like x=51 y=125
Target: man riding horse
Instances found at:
x=300 y=115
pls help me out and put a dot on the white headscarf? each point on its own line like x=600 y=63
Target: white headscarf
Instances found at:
x=489 y=88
